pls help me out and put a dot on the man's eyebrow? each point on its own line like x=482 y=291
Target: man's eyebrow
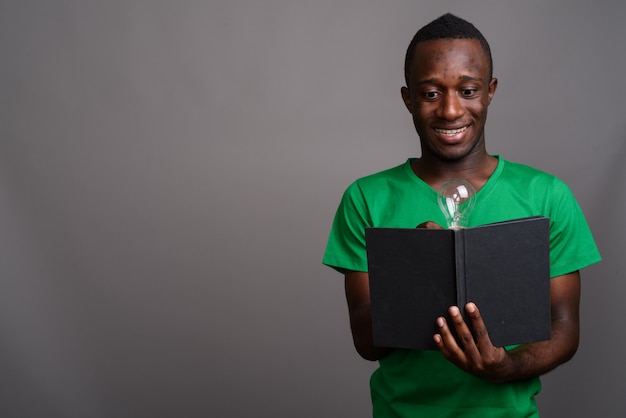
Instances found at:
x=434 y=80
x=428 y=81
x=470 y=78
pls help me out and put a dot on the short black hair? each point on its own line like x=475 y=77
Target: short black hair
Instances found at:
x=447 y=26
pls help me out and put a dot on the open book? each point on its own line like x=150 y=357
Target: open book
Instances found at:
x=415 y=274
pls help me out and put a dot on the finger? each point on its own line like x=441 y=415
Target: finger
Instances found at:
x=463 y=332
x=481 y=335
x=453 y=347
x=446 y=342
x=429 y=225
x=490 y=355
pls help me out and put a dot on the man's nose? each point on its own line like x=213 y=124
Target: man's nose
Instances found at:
x=450 y=107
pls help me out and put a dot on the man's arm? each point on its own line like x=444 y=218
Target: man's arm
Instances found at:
x=358 y=298
x=475 y=354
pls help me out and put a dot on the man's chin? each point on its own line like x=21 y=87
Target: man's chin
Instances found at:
x=452 y=156
x=456 y=152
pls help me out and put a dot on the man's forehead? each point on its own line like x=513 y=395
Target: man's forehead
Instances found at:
x=468 y=53
x=443 y=47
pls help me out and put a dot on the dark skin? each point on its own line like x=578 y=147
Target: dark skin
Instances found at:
x=448 y=95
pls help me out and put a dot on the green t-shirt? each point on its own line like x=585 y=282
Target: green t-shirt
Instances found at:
x=413 y=383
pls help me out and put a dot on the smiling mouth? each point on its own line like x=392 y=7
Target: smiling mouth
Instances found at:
x=451 y=131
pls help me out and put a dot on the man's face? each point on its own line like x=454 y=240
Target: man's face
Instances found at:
x=448 y=94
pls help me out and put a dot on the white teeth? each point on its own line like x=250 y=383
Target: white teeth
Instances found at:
x=451 y=131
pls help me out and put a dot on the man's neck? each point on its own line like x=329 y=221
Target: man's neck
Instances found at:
x=475 y=168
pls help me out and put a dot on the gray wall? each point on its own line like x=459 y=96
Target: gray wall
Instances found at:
x=169 y=172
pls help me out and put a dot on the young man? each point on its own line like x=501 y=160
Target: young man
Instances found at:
x=449 y=86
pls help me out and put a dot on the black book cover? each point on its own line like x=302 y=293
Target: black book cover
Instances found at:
x=415 y=274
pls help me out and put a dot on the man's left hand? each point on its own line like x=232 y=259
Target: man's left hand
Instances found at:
x=471 y=351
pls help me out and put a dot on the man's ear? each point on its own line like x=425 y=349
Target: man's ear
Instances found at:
x=406 y=98
x=493 y=85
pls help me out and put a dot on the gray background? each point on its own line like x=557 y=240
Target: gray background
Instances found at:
x=169 y=172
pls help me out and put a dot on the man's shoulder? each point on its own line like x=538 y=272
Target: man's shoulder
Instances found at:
x=524 y=177
x=393 y=174
x=526 y=172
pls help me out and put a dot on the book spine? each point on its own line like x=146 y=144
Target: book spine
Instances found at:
x=459 y=256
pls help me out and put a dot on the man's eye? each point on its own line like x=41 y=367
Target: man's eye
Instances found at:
x=469 y=92
x=431 y=95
